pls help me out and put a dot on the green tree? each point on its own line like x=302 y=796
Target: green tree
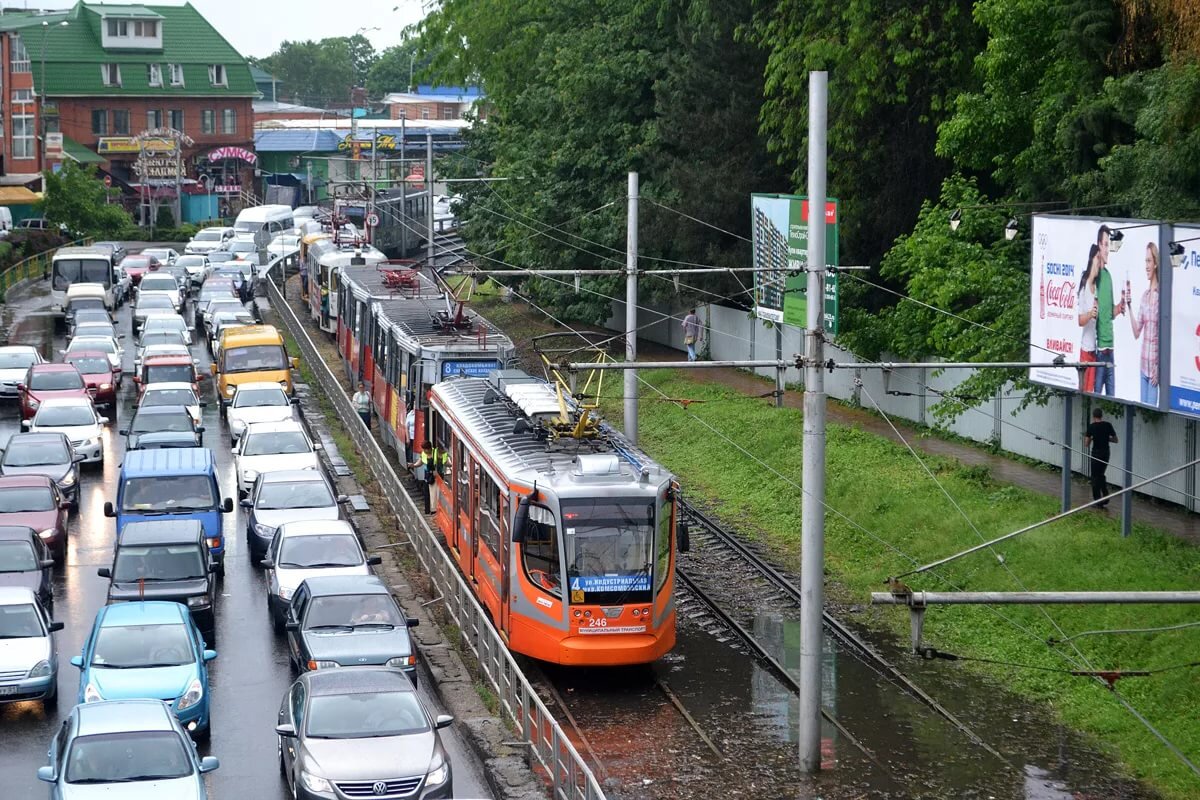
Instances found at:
x=362 y=57
x=74 y=197
x=394 y=68
x=314 y=73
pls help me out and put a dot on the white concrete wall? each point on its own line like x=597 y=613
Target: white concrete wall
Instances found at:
x=1035 y=432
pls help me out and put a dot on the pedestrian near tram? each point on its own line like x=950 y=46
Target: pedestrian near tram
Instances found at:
x=362 y=404
x=425 y=468
x=691 y=333
x=1098 y=436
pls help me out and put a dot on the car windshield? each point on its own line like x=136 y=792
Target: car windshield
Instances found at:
x=609 y=544
x=152 y=300
x=254 y=358
x=26 y=498
x=89 y=365
x=365 y=715
x=265 y=443
x=163 y=337
x=139 y=646
x=20 y=622
x=88 y=309
x=63 y=416
x=17 y=556
x=174 y=562
x=224 y=302
x=353 y=610
x=160 y=423
x=169 y=493
x=56 y=381
x=127 y=756
x=320 y=550
x=95 y=329
x=160 y=324
x=190 y=261
x=169 y=373
x=81 y=270
x=102 y=345
x=18 y=359
x=169 y=397
x=207 y=236
x=36 y=454
x=158 y=283
x=260 y=398
x=302 y=494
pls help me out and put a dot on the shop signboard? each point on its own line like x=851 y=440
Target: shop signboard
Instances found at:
x=1184 y=358
x=780 y=228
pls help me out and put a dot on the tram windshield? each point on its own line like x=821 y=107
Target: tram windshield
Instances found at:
x=609 y=544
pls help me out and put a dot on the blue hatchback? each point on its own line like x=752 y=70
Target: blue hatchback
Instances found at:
x=148 y=649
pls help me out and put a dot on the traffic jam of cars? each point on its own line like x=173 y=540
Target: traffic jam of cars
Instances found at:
x=352 y=723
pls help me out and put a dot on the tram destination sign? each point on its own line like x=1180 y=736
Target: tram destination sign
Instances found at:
x=469 y=369
x=611 y=583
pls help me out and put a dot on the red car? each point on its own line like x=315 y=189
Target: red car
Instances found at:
x=35 y=502
x=168 y=369
x=44 y=381
x=98 y=375
x=137 y=265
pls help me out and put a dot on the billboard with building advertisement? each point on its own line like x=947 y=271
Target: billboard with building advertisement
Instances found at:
x=780 y=226
x=1184 y=374
x=1094 y=296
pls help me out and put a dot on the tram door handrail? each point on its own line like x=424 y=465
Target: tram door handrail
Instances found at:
x=557 y=760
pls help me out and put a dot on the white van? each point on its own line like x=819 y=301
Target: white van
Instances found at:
x=274 y=219
x=71 y=265
x=6 y=223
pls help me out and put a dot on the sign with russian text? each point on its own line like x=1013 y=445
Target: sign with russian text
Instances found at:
x=1094 y=297
x=780 y=236
x=383 y=141
x=639 y=582
x=1184 y=372
x=468 y=369
x=234 y=153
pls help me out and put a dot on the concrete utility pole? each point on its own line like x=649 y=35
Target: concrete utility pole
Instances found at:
x=812 y=519
x=631 y=302
x=429 y=196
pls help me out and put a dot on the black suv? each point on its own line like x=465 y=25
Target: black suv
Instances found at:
x=165 y=560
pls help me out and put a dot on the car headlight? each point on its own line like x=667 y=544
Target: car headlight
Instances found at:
x=230 y=389
x=314 y=783
x=47 y=534
x=324 y=664
x=40 y=670
x=193 y=694
x=285 y=593
x=439 y=770
x=69 y=478
x=92 y=442
x=199 y=601
x=265 y=531
x=401 y=661
x=250 y=475
x=91 y=694
x=104 y=387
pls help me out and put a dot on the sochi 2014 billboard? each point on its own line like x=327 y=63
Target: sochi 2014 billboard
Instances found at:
x=1095 y=298
x=1184 y=375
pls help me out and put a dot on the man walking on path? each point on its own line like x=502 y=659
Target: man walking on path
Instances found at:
x=362 y=404
x=1098 y=436
x=691 y=333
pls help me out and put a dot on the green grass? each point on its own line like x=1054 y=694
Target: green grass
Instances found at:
x=878 y=484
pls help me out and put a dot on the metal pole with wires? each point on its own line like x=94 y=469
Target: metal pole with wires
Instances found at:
x=429 y=197
x=812 y=520
x=631 y=301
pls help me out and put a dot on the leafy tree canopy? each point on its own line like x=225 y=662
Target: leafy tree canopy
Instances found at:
x=76 y=198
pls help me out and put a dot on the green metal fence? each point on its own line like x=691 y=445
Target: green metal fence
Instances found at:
x=35 y=266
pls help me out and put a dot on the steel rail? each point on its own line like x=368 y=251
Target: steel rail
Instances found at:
x=836 y=626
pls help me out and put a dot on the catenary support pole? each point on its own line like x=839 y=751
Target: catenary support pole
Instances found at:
x=631 y=304
x=812 y=538
x=1127 y=498
x=779 y=374
x=429 y=197
x=1068 y=410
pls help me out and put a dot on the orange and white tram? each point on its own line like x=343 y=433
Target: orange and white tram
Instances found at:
x=565 y=530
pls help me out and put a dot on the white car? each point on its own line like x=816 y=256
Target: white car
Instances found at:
x=172 y=394
x=104 y=344
x=161 y=283
x=195 y=265
x=208 y=239
x=97 y=328
x=271 y=446
x=284 y=244
x=158 y=350
x=75 y=417
x=226 y=319
x=165 y=255
x=28 y=656
x=15 y=361
x=309 y=549
x=174 y=324
x=257 y=402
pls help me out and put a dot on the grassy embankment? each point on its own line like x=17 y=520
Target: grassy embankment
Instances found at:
x=878 y=484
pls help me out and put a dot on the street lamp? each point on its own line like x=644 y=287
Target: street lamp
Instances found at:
x=42 y=93
x=1175 y=250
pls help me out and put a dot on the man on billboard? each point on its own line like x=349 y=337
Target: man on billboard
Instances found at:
x=1106 y=377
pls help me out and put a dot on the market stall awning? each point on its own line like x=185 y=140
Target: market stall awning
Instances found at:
x=78 y=152
x=16 y=196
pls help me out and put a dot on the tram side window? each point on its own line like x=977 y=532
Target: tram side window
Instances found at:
x=441 y=434
x=665 y=507
x=462 y=479
x=540 y=551
x=489 y=510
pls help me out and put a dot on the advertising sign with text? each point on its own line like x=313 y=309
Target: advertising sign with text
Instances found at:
x=1185 y=324
x=1095 y=297
x=780 y=229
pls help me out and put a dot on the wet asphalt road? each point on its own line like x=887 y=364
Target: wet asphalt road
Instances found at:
x=251 y=672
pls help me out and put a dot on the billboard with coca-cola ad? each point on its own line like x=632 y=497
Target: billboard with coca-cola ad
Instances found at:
x=1095 y=298
x=1184 y=264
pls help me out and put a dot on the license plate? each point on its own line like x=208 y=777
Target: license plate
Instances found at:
x=6 y=690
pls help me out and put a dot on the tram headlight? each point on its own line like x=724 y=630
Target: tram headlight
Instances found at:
x=637 y=612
